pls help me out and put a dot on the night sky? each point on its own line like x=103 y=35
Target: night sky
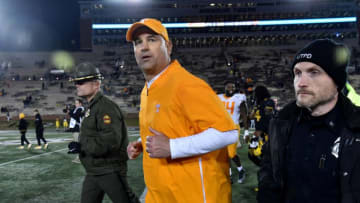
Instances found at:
x=39 y=25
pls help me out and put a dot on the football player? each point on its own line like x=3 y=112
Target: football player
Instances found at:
x=262 y=112
x=235 y=104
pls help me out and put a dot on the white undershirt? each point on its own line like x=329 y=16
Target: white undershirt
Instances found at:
x=201 y=143
x=207 y=141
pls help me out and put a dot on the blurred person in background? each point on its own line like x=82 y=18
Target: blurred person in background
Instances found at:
x=39 y=130
x=23 y=125
x=235 y=104
x=57 y=124
x=8 y=117
x=65 y=124
x=76 y=114
x=263 y=111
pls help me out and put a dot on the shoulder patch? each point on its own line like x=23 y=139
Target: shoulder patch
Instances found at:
x=107 y=119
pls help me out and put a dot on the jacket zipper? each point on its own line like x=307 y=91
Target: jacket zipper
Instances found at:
x=202 y=180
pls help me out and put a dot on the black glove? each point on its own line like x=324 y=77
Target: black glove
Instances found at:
x=74 y=148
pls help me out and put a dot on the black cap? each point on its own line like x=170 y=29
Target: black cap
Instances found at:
x=85 y=72
x=332 y=57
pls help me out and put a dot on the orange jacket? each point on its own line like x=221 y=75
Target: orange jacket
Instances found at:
x=179 y=104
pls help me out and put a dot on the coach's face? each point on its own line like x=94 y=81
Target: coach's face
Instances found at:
x=152 y=52
x=313 y=86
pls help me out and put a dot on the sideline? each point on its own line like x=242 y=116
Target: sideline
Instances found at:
x=6 y=163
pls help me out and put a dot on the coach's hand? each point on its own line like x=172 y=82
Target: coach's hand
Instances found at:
x=134 y=149
x=158 y=146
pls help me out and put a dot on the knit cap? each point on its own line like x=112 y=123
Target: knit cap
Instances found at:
x=332 y=57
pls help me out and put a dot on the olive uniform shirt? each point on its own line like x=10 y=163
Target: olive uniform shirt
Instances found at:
x=103 y=137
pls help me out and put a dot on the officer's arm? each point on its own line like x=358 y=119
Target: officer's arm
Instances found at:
x=110 y=135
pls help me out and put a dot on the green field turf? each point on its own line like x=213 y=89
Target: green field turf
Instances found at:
x=39 y=176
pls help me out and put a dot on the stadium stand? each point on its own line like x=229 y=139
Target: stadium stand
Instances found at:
x=124 y=81
x=262 y=53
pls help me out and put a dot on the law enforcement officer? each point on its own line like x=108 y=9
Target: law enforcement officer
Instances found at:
x=102 y=141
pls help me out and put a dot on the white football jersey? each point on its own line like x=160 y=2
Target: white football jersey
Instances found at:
x=232 y=105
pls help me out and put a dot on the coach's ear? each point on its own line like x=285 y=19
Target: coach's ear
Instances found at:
x=169 y=47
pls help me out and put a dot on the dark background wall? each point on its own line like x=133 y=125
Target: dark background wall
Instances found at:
x=39 y=25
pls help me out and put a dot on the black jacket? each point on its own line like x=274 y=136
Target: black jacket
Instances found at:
x=272 y=171
x=38 y=123
x=76 y=116
x=23 y=124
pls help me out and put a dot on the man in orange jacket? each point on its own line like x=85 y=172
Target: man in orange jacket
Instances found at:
x=184 y=126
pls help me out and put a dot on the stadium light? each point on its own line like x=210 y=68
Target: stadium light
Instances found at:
x=237 y=23
x=125 y=1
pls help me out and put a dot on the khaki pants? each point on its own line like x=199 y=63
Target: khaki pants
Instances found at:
x=76 y=139
x=76 y=136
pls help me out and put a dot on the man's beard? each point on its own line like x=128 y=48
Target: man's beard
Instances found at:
x=229 y=93
x=311 y=105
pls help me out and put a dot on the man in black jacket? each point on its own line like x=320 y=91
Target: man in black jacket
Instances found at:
x=23 y=125
x=76 y=116
x=313 y=154
x=39 y=129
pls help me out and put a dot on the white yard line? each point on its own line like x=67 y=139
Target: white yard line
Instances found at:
x=31 y=157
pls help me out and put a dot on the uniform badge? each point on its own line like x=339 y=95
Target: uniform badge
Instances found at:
x=335 y=148
x=107 y=119
x=87 y=113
